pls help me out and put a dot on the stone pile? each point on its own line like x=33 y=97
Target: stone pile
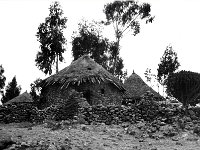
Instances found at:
x=18 y=113
x=147 y=109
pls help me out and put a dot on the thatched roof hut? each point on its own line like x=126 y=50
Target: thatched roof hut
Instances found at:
x=136 y=87
x=22 y=98
x=86 y=76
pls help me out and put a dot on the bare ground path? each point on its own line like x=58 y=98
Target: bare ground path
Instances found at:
x=93 y=137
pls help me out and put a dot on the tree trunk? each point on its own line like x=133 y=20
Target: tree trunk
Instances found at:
x=57 y=64
x=115 y=57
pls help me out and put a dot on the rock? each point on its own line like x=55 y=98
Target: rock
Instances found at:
x=52 y=147
x=162 y=123
x=197 y=130
x=140 y=125
x=125 y=124
x=178 y=143
x=84 y=127
x=168 y=131
x=5 y=139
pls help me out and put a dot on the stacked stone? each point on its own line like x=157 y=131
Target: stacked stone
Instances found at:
x=18 y=113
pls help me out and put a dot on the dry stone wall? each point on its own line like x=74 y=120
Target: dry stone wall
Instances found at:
x=104 y=93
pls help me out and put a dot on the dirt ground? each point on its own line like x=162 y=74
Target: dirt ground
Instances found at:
x=94 y=137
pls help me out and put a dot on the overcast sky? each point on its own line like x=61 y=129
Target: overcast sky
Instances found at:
x=176 y=22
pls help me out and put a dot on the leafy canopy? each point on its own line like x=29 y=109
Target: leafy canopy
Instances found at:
x=185 y=86
x=168 y=65
x=51 y=38
x=12 y=90
x=35 y=91
x=125 y=16
x=89 y=40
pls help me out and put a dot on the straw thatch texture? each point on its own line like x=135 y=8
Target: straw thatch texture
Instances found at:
x=22 y=98
x=136 y=87
x=82 y=70
x=86 y=76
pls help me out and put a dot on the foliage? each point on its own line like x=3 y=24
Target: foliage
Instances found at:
x=89 y=40
x=169 y=64
x=125 y=16
x=52 y=41
x=35 y=90
x=2 y=79
x=185 y=86
x=149 y=75
x=12 y=90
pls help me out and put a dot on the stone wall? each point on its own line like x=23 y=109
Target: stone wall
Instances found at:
x=104 y=93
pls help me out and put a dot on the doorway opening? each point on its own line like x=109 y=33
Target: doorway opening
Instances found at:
x=87 y=96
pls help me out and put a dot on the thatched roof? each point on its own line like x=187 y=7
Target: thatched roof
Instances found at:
x=22 y=98
x=82 y=70
x=136 y=87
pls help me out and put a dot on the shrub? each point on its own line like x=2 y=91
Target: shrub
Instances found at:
x=184 y=86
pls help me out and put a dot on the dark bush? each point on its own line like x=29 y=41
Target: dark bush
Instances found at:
x=184 y=86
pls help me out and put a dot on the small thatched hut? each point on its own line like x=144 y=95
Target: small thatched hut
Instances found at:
x=136 y=87
x=22 y=98
x=84 y=75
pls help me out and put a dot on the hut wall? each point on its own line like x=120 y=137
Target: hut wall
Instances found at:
x=103 y=93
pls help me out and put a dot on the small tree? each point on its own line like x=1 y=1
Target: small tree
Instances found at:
x=125 y=16
x=52 y=41
x=12 y=90
x=185 y=86
x=2 y=79
x=35 y=91
x=151 y=78
x=168 y=65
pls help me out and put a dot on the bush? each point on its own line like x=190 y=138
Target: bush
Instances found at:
x=184 y=86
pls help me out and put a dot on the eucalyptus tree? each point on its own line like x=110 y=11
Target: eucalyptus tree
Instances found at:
x=126 y=16
x=51 y=38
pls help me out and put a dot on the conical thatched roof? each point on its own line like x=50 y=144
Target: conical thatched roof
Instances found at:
x=82 y=70
x=136 y=87
x=22 y=98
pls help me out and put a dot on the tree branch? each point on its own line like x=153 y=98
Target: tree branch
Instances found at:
x=130 y=23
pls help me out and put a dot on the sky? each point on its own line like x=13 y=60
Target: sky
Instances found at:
x=176 y=23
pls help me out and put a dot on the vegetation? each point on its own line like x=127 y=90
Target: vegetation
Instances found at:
x=2 y=79
x=168 y=64
x=89 y=40
x=35 y=91
x=51 y=38
x=185 y=86
x=126 y=16
x=12 y=90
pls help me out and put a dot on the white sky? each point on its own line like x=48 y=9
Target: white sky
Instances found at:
x=176 y=22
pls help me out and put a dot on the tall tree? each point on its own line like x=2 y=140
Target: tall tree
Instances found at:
x=89 y=40
x=12 y=90
x=51 y=38
x=2 y=79
x=126 y=16
x=168 y=65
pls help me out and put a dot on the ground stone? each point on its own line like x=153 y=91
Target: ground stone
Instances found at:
x=5 y=139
